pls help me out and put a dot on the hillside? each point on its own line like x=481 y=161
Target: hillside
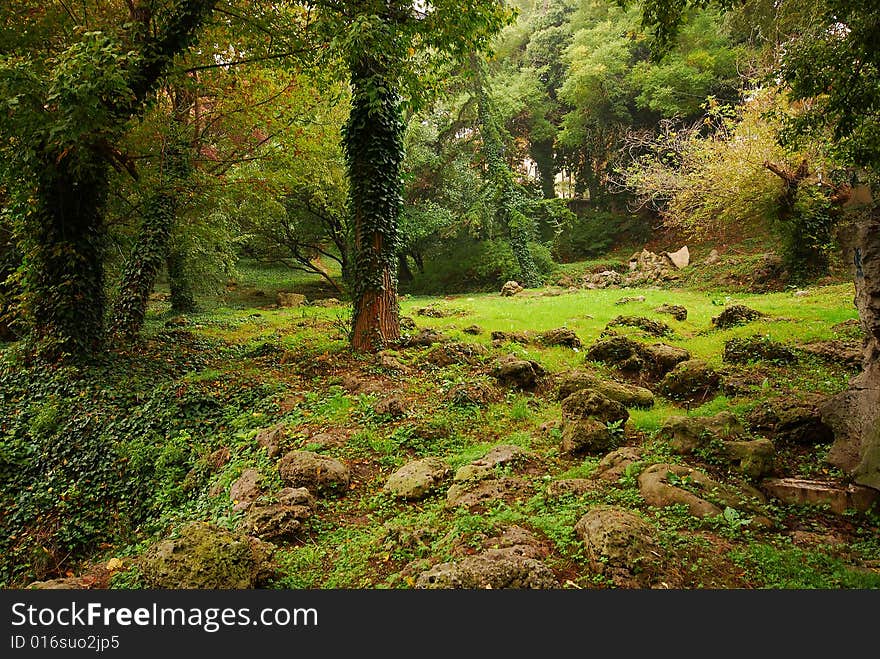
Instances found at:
x=520 y=468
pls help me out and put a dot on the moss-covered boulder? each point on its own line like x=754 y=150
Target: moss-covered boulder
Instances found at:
x=619 y=543
x=757 y=349
x=684 y=434
x=586 y=436
x=735 y=315
x=628 y=395
x=317 y=473
x=415 y=480
x=590 y=404
x=206 y=557
x=690 y=380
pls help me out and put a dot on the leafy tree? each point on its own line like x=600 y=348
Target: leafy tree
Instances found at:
x=385 y=47
x=62 y=117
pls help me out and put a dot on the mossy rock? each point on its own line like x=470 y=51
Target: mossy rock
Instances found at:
x=690 y=380
x=207 y=557
x=590 y=404
x=757 y=348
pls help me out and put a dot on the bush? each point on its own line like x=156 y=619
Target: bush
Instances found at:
x=594 y=232
x=469 y=265
x=807 y=235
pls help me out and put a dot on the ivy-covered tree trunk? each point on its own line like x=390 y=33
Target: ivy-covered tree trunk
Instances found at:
x=64 y=229
x=150 y=250
x=182 y=298
x=64 y=254
x=373 y=144
x=520 y=228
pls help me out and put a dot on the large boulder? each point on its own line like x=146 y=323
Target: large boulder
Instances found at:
x=628 y=395
x=317 y=473
x=561 y=336
x=206 y=557
x=620 y=351
x=661 y=358
x=753 y=457
x=590 y=404
x=472 y=494
x=670 y=484
x=792 y=420
x=518 y=373
x=690 y=380
x=620 y=542
x=415 y=480
x=757 y=348
x=737 y=314
x=245 y=489
x=582 y=436
x=680 y=258
x=280 y=516
x=508 y=563
x=511 y=288
x=684 y=434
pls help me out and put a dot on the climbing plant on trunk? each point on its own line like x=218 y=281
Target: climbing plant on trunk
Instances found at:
x=69 y=112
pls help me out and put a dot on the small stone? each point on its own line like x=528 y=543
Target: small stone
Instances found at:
x=511 y=288
x=415 y=480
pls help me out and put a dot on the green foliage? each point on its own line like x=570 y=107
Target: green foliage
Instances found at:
x=808 y=234
x=594 y=232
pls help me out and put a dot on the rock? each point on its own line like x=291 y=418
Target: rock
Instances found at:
x=687 y=434
x=206 y=557
x=839 y=498
x=407 y=324
x=560 y=337
x=580 y=436
x=473 y=329
x=619 y=541
x=499 y=337
x=494 y=569
x=735 y=315
x=620 y=351
x=713 y=258
x=630 y=355
x=511 y=288
x=246 y=489
x=425 y=337
x=471 y=494
x=792 y=420
x=392 y=406
x=470 y=394
x=279 y=518
x=432 y=311
x=590 y=404
x=754 y=458
x=627 y=300
x=272 y=439
x=628 y=395
x=855 y=413
x=473 y=472
x=415 y=480
x=519 y=373
x=652 y=327
x=604 y=279
x=665 y=485
x=681 y=258
x=503 y=455
x=318 y=473
x=290 y=300
x=675 y=310
x=570 y=486
x=455 y=353
x=64 y=583
x=662 y=358
x=757 y=348
x=847 y=353
x=690 y=380
x=768 y=274
x=616 y=464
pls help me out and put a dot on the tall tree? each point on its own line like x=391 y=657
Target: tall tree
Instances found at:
x=67 y=113
x=388 y=45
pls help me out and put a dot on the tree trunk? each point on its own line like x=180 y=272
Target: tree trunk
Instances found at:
x=854 y=415
x=150 y=250
x=65 y=238
x=182 y=298
x=542 y=153
x=373 y=144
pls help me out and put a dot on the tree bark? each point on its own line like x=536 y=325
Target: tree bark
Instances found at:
x=373 y=144
x=182 y=298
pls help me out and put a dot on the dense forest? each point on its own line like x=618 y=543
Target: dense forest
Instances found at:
x=461 y=293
